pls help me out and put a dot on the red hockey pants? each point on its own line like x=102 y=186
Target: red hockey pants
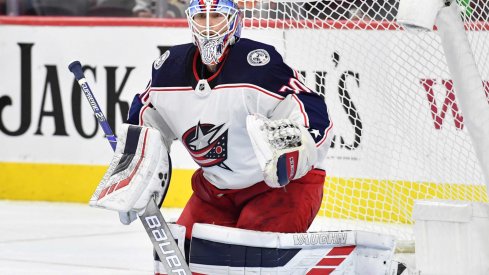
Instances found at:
x=259 y=207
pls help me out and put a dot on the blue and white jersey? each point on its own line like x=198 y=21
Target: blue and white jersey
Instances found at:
x=207 y=112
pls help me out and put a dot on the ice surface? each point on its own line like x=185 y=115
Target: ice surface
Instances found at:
x=66 y=238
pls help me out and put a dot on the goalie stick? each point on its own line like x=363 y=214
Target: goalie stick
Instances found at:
x=152 y=219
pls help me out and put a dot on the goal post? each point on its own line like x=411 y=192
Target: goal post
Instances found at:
x=401 y=131
x=468 y=83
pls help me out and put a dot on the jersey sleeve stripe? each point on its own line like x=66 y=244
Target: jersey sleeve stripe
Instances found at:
x=144 y=95
x=325 y=137
x=302 y=109
x=326 y=132
x=296 y=74
x=141 y=121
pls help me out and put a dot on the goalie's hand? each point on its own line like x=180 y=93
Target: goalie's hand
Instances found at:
x=284 y=149
x=138 y=172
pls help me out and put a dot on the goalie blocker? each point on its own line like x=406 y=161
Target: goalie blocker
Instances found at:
x=139 y=171
x=223 y=250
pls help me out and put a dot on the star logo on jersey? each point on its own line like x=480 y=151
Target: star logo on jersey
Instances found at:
x=207 y=144
x=315 y=133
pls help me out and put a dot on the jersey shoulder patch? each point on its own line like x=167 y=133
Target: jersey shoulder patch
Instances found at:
x=258 y=57
x=257 y=63
x=160 y=60
x=257 y=54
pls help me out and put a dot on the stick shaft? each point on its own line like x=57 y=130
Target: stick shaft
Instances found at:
x=76 y=68
x=98 y=113
x=155 y=225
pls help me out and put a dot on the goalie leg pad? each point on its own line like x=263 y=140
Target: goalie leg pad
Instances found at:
x=138 y=171
x=223 y=250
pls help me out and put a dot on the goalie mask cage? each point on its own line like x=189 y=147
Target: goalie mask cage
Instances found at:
x=399 y=131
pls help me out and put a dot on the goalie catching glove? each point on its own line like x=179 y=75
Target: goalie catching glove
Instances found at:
x=285 y=150
x=138 y=172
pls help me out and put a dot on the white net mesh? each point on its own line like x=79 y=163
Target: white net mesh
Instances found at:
x=399 y=133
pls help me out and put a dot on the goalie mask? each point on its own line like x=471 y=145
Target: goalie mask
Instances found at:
x=215 y=24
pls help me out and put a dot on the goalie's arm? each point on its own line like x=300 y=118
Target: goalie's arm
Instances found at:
x=144 y=114
x=282 y=148
x=302 y=115
x=308 y=110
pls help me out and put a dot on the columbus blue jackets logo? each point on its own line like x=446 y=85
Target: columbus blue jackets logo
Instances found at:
x=207 y=144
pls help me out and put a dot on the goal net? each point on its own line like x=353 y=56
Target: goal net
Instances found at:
x=399 y=130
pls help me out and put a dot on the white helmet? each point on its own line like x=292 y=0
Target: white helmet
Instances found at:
x=215 y=24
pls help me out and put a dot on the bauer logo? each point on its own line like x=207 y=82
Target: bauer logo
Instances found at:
x=334 y=238
x=162 y=240
x=258 y=57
